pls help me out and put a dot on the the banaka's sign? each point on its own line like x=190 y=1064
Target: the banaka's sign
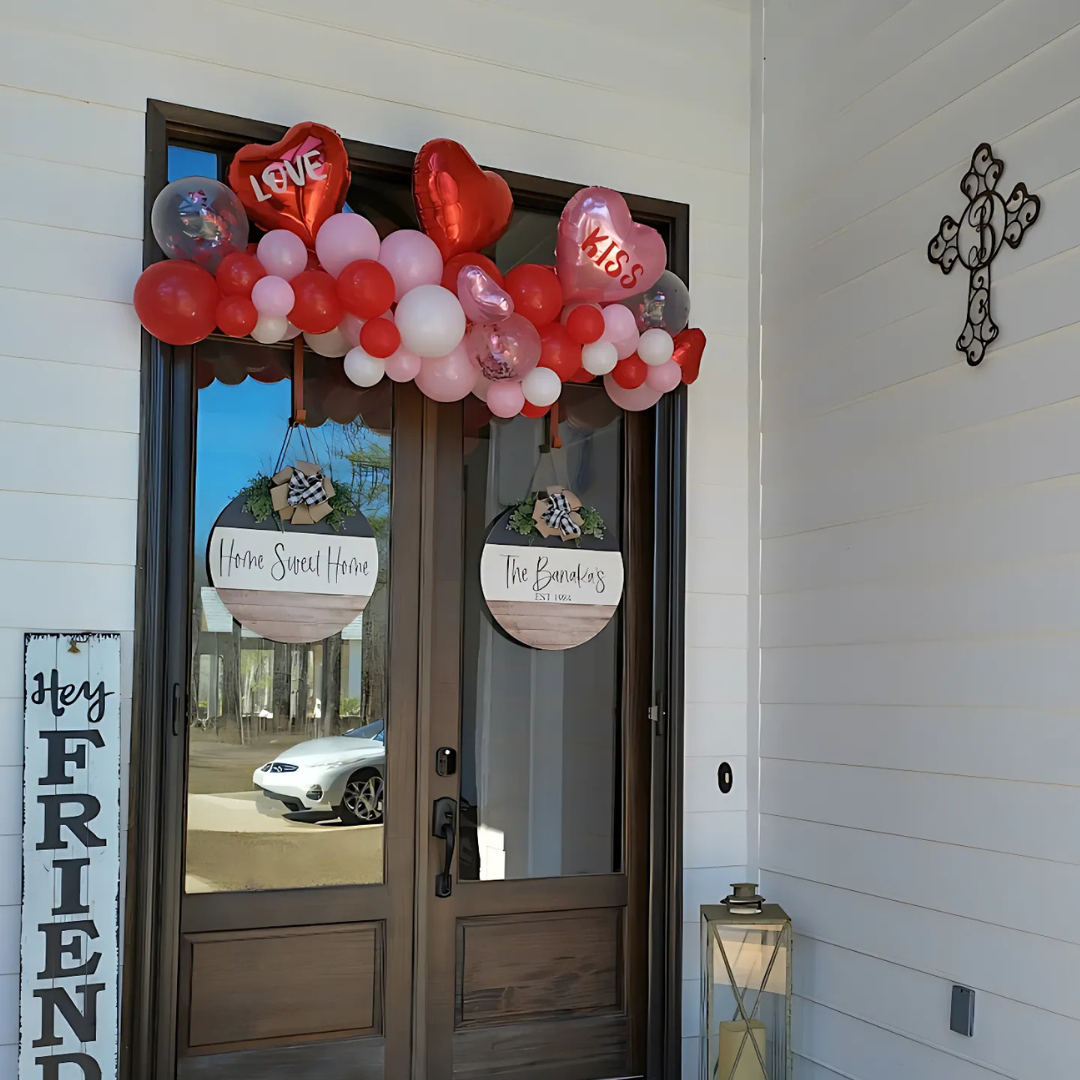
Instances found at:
x=71 y=858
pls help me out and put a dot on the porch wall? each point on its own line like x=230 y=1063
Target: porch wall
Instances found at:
x=920 y=810
x=650 y=99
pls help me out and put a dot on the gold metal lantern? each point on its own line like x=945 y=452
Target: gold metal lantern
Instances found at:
x=745 y=988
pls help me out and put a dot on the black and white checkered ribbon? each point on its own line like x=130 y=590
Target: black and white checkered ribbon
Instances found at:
x=557 y=516
x=308 y=490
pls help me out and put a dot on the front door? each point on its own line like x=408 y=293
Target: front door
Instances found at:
x=414 y=843
x=413 y=847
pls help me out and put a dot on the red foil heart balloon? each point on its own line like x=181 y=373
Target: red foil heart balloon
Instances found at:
x=297 y=183
x=460 y=206
x=689 y=346
x=602 y=254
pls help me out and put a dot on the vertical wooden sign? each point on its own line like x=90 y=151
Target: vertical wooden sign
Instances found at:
x=71 y=858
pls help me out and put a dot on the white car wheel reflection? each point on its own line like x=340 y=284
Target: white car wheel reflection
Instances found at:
x=362 y=803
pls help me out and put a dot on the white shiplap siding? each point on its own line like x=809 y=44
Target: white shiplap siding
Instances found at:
x=649 y=100
x=920 y=549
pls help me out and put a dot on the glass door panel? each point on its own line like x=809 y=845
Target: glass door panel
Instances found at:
x=539 y=745
x=287 y=742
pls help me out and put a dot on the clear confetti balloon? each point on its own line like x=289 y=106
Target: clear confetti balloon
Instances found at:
x=666 y=306
x=199 y=219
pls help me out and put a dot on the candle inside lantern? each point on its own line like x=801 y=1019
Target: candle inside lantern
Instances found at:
x=731 y=1038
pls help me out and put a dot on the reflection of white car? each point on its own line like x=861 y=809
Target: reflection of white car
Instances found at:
x=344 y=774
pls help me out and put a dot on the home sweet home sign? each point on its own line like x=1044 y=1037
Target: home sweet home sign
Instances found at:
x=71 y=858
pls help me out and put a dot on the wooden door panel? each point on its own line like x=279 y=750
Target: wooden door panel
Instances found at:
x=268 y=986
x=344 y=1059
x=526 y=966
x=579 y=1048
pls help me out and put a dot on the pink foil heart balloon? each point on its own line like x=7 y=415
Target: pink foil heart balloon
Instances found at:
x=481 y=298
x=601 y=253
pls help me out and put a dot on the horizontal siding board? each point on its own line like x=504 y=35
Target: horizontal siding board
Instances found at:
x=38 y=326
x=1011 y=600
x=254 y=44
x=53 y=393
x=916 y=1005
x=1027 y=968
x=860 y=1049
x=1026 y=744
x=972 y=812
x=1009 y=672
x=932 y=540
x=985 y=885
x=1032 y=87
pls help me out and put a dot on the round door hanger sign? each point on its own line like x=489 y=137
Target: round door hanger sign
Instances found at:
x=291 y=583
x=546 y=591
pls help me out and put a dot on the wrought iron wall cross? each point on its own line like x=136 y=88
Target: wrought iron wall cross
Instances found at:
x=976 y=239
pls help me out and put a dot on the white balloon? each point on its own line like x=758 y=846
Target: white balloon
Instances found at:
x=362 y=368
x=599 y=358
x=541 y=387
x=430 y=320
x=332 y=343
x=270 y=328
x=291 y=332
x=656 y=347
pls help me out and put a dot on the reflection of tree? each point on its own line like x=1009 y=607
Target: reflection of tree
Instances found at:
x=240 y=677
x=367 y=455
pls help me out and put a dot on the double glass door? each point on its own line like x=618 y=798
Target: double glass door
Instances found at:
x=414 y=847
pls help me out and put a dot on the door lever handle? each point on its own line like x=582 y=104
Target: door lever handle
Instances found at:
x=444 y=827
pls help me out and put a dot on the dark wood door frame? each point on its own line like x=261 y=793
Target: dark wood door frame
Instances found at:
x=163 y=631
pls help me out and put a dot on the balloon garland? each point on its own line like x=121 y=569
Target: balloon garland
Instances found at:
x=419 y=305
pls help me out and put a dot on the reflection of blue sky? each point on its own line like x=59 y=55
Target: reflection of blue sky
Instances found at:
x=240 y=432
x=185 y=162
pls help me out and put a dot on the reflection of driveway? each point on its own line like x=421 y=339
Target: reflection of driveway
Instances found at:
x=239 y=841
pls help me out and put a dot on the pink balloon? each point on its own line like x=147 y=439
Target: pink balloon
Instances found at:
x=282 y=253
x=481 y=298
x=505 y=398
x=601 y=253
x=665 y=377
x=506 y=350
x=273 y=296
x=481 y=387
x=402 y=365
x=641 y=397
x=350 y=326
x=628 y=346
x=448 y=378
x=344 y=238
x=412 y=259
x=619 y=323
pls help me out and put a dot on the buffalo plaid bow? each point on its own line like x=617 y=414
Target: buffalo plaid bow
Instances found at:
x=557 y=516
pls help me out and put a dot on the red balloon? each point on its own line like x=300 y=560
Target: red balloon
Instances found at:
x=460 y=206
x=379 y=337
x=236 y=316
x=585 y=324
x=582 y=376
x=177 y=301
x=534 y=412
x=689 y=346
x=630 y=373
x=559 y=351
x=298 y=196
x=366 y=289
x=238 y=272
x=317 y=308
x=536 y=293
x=468 y=258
